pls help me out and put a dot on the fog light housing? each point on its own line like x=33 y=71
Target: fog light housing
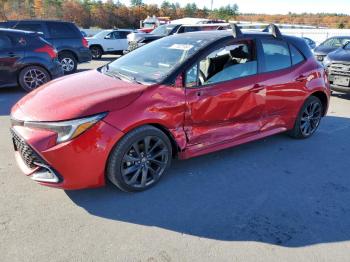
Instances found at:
x=45 y=174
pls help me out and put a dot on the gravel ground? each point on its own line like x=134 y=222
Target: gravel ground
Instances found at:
x=276 y=199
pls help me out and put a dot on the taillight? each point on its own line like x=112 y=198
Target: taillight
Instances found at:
x=85 y=42
x=48 y=50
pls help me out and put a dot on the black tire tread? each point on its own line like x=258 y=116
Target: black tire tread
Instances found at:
x=117 y=153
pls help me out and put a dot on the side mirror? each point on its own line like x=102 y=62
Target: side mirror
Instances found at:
x=179 y=81
x=108 y=37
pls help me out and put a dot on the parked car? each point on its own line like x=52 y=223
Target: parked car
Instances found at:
x=109 y=42
x=26 y=60
x=180 y=96
x=330 y=45
x=337 y=64
x=311 y=43
x=72 y=47
x=138 y=39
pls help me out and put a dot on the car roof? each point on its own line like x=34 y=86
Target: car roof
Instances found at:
x=217 y=35
x=10 y=30
x=35 y=20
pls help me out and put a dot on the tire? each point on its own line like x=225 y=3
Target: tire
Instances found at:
x=96 y=52
x=132 y=167
x=31 y=77
x=69 y=62
x=309 y=116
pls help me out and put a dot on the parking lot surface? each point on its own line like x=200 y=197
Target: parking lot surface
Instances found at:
x=277 y=199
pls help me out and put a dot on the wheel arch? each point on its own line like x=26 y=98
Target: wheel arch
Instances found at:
x=324 y=100
x=70 y=52
x=97 y=45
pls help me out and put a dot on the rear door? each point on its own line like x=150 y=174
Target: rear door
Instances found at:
x=121 y=40
x=11 y=52
x=223 y=96
x=282 y=75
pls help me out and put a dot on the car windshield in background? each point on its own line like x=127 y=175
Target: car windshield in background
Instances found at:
x=163 y=30
x=101 y=34
x=151 y=63
x=336 y=42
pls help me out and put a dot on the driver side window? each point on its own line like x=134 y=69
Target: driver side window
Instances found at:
x=225 y=63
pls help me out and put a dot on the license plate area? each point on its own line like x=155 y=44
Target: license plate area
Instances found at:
x=341 y=80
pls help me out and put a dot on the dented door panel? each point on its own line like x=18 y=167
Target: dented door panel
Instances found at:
x=223 y=111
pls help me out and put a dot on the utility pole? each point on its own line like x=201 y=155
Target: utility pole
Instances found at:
x=211 y=5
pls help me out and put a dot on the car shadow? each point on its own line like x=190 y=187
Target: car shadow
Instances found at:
x=277 y=190
x=341 y=95
x=8 y=97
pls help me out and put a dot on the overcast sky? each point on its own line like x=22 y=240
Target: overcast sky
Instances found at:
x=271 y=6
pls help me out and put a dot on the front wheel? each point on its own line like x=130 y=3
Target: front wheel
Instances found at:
x=139 y=159
x=309 y=118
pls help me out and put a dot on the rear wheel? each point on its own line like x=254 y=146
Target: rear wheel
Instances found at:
x=309 y=118
x=32 y=77
x=68 y=62
x=96 y=52
x=139 y=159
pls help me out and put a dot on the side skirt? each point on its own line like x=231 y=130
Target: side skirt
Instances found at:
x=197 y=150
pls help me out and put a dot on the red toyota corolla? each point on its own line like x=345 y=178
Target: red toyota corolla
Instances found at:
x=181 y=96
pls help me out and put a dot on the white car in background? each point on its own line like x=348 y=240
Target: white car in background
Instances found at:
x=113 y=41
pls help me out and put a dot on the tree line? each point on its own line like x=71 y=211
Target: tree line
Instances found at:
x=109 y=14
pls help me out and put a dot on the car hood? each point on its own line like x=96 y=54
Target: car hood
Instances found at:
x=76 y=96
x=322 y=50
x=340 y=55
x=139 y=36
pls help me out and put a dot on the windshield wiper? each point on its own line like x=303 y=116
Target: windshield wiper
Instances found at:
x=127 y=77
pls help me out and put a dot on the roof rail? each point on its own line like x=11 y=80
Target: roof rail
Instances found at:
x=274 y=30
x=236 y=31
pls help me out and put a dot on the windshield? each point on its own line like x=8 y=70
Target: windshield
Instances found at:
x=163 y=30
x=102 y=34
x=151 y=63
x=335 y=42
x=148 y=25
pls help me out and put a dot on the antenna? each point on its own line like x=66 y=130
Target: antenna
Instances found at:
x=274 y=30
x=236 y=31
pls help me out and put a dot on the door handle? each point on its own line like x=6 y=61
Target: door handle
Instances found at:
x=257 y=87
x=301 y=78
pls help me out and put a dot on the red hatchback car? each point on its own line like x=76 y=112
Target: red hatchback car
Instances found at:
x=180 y=96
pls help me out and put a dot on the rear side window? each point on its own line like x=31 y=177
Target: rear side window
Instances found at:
x=5 y=42
x=62 y=30
x=120 y=34
x=297 y=57
x=276 y=55
x=29 y=27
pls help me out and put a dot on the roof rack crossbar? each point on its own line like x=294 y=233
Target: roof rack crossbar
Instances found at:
x=236 y=31
x=274 y=30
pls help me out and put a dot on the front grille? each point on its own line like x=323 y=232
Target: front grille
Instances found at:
x=339 y=69
x=29 y=156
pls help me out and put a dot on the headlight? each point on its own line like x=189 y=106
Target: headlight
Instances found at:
x=67 y=130
x=326 y=61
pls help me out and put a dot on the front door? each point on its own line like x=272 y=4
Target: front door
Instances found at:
x=223 y=96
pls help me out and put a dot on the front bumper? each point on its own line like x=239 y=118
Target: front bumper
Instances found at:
x=76 y=164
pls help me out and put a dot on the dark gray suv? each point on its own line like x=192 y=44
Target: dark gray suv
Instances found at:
x=72 y=47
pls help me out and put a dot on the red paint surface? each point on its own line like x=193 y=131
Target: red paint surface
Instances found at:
x=200 y=120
